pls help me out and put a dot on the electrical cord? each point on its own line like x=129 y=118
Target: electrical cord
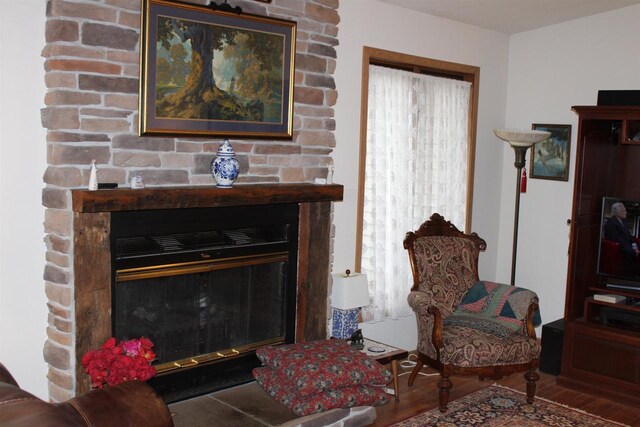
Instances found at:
x=410 y=363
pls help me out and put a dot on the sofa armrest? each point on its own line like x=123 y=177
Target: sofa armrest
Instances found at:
x=6 y=377
x=19 y=408
x=132 y=403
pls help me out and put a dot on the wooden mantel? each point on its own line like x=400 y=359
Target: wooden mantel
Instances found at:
x=126 y=199
x=92 y=254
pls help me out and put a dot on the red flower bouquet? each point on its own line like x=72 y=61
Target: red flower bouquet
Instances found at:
x=114 y=364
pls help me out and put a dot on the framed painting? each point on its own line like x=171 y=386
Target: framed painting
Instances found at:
x=206 y=72
x=550 y=158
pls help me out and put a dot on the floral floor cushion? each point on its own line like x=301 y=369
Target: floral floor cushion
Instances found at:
x=320 y=375
x=320 y=365
x=345 y=397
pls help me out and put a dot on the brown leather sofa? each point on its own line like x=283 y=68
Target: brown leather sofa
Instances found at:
x=133 y=403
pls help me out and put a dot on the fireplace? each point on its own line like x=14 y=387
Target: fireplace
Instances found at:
x=208 y=286
x=135 y=248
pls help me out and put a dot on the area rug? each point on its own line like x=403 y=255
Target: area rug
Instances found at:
x=498 y=406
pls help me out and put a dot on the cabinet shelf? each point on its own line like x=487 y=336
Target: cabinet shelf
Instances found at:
x=618 y=305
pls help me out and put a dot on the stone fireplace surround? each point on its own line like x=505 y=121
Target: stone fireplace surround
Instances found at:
x=92 y=255
x=91 y=73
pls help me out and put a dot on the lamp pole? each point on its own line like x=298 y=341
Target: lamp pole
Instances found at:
x=519 y=163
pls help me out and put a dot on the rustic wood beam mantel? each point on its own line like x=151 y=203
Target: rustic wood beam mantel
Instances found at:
x=126 y=199
x=92 y=254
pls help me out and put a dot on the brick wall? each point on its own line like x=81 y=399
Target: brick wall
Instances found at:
x=91 y=72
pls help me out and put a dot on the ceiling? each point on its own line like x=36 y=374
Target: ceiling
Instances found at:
x=512 y=16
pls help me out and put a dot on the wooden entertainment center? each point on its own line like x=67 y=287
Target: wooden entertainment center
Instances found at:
x=598 y=358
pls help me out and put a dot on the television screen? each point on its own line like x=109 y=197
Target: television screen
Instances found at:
x=619 y=253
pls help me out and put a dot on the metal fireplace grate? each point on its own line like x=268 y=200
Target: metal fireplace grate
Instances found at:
x=130 y=247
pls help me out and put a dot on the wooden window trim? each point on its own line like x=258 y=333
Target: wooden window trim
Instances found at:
x=422 y=65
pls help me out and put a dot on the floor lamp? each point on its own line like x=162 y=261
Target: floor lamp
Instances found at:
x=520 y=141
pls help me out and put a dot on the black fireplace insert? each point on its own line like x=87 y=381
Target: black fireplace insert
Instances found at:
x=208 y=287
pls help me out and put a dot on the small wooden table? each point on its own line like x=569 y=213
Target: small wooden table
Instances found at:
x=391 y=355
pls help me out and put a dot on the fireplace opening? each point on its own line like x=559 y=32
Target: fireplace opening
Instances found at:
x=208 y=287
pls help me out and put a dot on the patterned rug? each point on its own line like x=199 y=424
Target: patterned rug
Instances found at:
x=498 y=406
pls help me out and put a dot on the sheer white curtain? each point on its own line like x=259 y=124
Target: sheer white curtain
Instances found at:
x=416 y=164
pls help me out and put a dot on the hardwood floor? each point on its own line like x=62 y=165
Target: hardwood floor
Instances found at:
x=424 y=396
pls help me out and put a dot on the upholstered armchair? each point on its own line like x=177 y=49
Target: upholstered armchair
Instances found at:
x=465 y=326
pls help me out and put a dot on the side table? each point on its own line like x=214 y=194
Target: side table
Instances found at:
x=390 y=355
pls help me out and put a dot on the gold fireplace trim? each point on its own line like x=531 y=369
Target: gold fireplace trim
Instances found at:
x=214 y=357
x=203 y=266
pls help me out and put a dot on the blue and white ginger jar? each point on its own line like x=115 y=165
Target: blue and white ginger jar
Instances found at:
x=225 y=167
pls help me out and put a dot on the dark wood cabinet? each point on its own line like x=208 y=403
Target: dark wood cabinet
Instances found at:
x=600 y=358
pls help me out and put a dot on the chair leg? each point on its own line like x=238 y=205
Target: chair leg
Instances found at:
x=445 y=385
x=414 y=373
x=531 y=376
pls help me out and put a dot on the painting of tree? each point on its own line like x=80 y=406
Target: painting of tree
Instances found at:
x=211 y=72
x=231 y=74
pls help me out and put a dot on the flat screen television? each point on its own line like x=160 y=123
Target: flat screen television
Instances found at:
x=618 y=263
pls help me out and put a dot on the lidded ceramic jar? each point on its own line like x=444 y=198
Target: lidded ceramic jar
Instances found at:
x=225 y=167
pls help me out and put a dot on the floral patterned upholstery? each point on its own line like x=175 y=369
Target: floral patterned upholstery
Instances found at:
x=344 y=397
x=466 y=326
x=315 y=366
x=319 y=375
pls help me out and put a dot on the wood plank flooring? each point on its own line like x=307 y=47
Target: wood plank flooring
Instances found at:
x=424 y=396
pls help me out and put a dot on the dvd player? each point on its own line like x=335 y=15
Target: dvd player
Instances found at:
x=622 y=318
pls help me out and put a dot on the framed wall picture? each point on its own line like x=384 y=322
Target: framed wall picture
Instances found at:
x=550 y=158
x=206 y=72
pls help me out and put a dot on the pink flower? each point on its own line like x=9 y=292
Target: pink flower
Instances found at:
x=131 y=347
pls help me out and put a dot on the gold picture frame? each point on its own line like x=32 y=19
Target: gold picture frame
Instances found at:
x=206 y=72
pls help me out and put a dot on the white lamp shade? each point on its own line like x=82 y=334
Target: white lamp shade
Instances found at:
x=521 y=138
x=349 y=291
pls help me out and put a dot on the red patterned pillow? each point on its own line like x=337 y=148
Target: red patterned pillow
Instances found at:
x=345 y=397
x=320 y=365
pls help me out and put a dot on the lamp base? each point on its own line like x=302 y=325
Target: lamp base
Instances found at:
x=344 y=323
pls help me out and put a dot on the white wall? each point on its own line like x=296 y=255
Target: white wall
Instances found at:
x=551 y=70
x=23 y=304
x=375 y=24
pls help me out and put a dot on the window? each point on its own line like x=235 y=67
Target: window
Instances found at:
x=416 y=158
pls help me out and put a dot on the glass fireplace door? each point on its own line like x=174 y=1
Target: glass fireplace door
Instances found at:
x=204 y=311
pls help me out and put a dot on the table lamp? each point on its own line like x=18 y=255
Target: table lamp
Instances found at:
x=349 y=293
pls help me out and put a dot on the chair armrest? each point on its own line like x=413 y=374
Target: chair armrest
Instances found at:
x=422 y=305
x=420 y=302
x=133 y=403
x=436 y=333
x=531 y=313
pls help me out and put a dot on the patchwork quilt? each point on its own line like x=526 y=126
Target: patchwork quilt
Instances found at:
x=494 y=308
